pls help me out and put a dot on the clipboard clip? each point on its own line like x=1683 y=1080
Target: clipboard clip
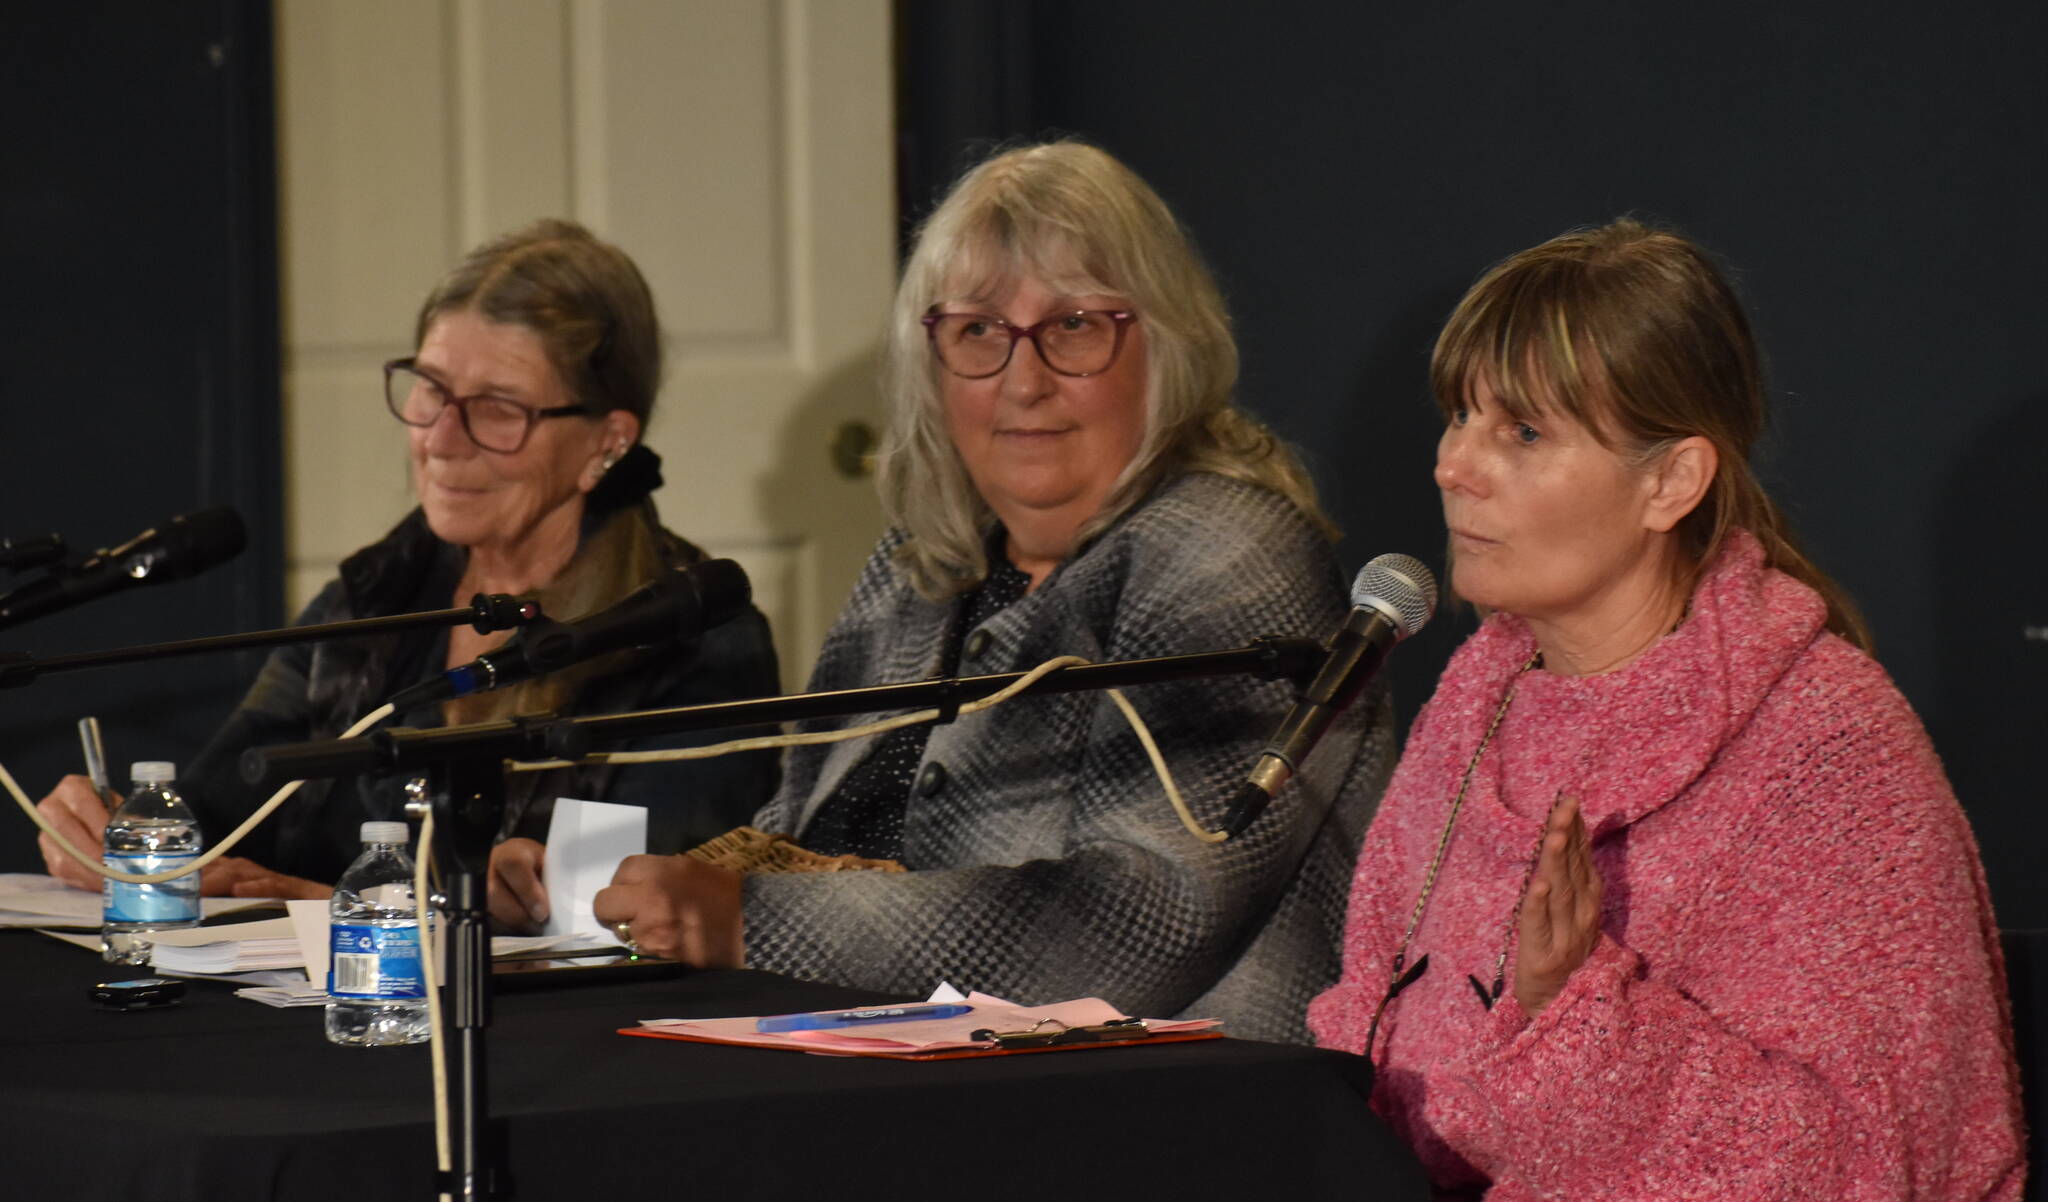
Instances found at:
x=1116 y=1030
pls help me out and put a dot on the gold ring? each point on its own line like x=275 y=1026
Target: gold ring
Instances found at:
x=623 y=932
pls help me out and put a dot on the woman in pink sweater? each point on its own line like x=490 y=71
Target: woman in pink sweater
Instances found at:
x=1669 y=896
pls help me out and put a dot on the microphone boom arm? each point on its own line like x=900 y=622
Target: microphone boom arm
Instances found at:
x=484 y=613
x=545 y=736
x=463 y=764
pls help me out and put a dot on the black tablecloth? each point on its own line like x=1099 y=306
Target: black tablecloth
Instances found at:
x=224 y=1099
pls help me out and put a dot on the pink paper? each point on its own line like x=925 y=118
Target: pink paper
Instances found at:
x=928 y=1035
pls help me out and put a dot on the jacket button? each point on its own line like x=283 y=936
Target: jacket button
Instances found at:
x=932 y=779
x=977 y=643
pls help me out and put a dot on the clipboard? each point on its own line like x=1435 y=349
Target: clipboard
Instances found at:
x=996 y=1049
x=984 y=1026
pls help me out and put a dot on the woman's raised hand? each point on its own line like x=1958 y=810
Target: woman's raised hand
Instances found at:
x=1560 y=913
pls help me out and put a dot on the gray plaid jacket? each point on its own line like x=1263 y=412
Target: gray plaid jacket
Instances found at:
x=1047 y=862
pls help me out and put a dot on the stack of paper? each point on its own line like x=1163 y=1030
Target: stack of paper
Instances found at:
x=283 y=992
x=286 y=994
x=310 y=919
x=243 y=947
x=253 y=952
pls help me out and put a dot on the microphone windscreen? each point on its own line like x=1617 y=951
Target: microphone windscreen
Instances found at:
x=31 y=551
x=194 y=542
x=1399 y=586
x=723 y=589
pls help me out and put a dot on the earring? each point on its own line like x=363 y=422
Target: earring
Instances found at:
x=611 y=460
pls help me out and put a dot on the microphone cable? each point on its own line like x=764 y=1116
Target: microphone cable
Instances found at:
x=206 y=857
x=430 y=981
x=917 y=718
x=430 y=934
x=430 y=941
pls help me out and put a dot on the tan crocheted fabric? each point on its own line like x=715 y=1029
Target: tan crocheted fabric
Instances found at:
x=744 y=849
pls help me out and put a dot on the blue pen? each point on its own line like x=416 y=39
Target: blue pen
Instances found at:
x=825 y=1020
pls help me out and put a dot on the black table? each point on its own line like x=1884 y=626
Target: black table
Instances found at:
x=223 y=1099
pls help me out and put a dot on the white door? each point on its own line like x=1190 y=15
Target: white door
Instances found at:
x=740 y=150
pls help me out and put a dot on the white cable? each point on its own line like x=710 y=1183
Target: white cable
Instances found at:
x=1165 y=774
x=812 y=738
x=807 y=739
x=430 y=941
x=430 y=976
x=759 y=743
x=430 y=944
x=209 y=855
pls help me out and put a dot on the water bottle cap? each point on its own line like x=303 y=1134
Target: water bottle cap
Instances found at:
x=385 y=832
x=152 y=772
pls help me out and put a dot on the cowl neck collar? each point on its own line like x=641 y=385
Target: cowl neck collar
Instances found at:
x=1627 y=742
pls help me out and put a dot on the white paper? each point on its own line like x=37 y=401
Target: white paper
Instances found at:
x=31 y=899
x=510 y=945
x=90 y=942
x=210 y=951
x=586 y=841
x=255 y=952
x=237 y=932
x=286 y=993
x=236 y=948
x=262 y=977
x=309 y=925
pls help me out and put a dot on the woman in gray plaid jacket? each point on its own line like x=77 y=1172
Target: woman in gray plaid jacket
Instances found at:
x=1066 y=475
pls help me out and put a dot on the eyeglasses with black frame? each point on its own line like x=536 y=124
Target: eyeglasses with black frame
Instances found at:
x=1077 y=342
x=497 y=424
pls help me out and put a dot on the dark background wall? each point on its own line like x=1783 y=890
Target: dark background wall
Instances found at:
x=1872 y=174
x=137 y=233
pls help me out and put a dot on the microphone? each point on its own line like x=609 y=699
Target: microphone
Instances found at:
x=184 y=546
x=1391 y=599
x=679 y=604
x=30 y=551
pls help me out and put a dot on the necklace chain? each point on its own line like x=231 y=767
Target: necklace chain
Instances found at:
x=1399 y=978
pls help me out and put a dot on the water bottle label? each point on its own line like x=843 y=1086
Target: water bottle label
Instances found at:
x=171 y=903
x=375 y=962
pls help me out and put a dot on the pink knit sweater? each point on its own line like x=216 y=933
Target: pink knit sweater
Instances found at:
x=1797 y=992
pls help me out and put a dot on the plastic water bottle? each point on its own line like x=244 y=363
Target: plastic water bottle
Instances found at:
x=376 y=995
x=153 y=831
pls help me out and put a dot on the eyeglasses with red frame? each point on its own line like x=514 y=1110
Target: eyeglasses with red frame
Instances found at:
x=1074 y=342
x=497 y=424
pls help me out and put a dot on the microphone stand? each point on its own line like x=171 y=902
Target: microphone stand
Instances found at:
x=467 y=794
x=465 y=769
x=485 y=613
x=470 y=797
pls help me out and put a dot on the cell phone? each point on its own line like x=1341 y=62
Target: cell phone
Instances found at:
x=142 y=993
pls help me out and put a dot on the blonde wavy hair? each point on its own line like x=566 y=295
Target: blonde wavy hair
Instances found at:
x=1635 y=334
x=1069 y=214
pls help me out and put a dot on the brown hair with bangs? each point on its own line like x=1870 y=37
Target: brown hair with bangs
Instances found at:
x=1635 y=334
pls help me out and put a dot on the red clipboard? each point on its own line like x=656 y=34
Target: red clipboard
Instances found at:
x=940 y=1054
